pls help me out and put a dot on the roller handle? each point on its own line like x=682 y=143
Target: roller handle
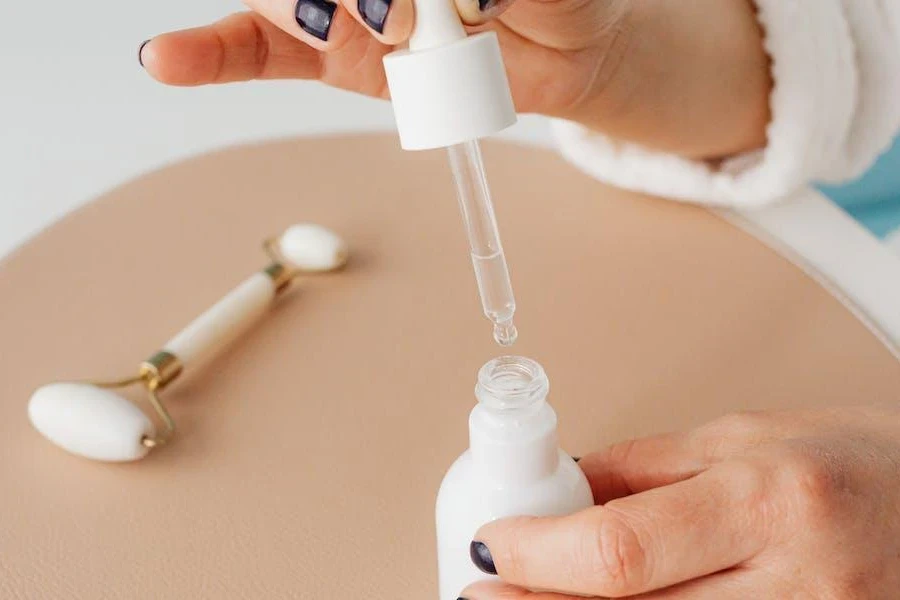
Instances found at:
x=224 y=321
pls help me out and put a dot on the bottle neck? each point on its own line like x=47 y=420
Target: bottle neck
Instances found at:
x=512 y=430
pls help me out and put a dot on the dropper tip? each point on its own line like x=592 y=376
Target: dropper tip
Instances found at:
x=505 y=333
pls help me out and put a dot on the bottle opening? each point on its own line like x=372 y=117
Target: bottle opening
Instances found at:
x=511 y=382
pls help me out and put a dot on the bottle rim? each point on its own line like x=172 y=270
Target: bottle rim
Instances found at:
x=511 y=383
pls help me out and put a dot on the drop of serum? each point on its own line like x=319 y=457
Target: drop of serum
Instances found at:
x=505 y=333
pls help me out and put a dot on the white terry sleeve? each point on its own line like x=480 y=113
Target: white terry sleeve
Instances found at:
x=835 y=108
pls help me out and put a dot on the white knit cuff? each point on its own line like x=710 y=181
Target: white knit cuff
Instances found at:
x=813 y=103
x=893 y=241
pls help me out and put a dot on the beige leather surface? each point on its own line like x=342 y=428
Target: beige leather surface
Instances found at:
x=309 y=455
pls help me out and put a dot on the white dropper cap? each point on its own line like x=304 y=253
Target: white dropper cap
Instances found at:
x=447 y=88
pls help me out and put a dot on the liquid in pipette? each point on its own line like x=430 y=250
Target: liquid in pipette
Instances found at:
x=496 y=292
x=488 y=261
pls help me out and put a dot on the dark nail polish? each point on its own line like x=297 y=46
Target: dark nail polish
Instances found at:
x=141 y=51
x=487 y=4
x=482 y=558
x=460 y=598
x=315 y=16
x=374 y=13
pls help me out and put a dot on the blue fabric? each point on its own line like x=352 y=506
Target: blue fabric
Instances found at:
x=874 y=199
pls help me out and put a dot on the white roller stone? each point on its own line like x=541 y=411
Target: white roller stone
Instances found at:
x=91 y=422
x=311 y=247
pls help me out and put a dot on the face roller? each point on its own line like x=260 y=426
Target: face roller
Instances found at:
x=90 y=419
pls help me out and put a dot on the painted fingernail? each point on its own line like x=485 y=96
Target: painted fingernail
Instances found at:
x=482 y=558
x=374 y=13
x=487 y=4
x=141 y=52
x=315 y=17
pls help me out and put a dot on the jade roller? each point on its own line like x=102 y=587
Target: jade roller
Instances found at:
x=92 y=420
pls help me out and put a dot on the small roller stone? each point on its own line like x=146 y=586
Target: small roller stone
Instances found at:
x=311 y=247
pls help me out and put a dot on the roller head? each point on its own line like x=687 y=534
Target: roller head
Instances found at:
x=91 y=422
x=310 y=247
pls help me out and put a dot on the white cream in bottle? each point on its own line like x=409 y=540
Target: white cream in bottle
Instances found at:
x=513 y=467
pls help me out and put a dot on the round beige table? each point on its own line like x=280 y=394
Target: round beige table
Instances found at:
x=308 y=455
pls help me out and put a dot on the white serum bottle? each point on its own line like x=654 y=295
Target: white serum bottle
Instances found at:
x=513 y=467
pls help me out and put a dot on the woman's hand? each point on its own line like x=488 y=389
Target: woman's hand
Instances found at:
x=784 y=505
x=689 y=77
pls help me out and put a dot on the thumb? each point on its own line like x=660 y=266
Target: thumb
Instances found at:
x=477 y=12
x=636 y=544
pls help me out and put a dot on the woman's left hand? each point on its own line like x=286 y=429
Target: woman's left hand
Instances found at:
x=754 y=505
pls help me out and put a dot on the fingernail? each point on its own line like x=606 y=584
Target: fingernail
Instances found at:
x=486 y=4
x=576 y=458
x=141 y=52
x=482 y=558
x=315 y=16
x=374 y=13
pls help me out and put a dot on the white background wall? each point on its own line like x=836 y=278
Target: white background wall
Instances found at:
x=78 y=115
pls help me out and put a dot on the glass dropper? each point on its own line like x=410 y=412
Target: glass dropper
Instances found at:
x=488 y=260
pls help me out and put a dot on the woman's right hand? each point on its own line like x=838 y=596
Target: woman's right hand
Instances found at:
x=790 y=504
x=688 y=77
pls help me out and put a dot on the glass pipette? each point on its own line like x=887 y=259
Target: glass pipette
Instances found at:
x=488 y=260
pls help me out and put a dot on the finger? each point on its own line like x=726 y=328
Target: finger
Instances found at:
x=740 y=431
x=247 y=46
x=729 y=585
x=476 y=12
x=497 y=590
x=241 y=47
x=561 y=25
x=390 y=21
x=352 y=57
x=734 y=584
x=639 y=465
x=319 y=23
x=637 y=544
